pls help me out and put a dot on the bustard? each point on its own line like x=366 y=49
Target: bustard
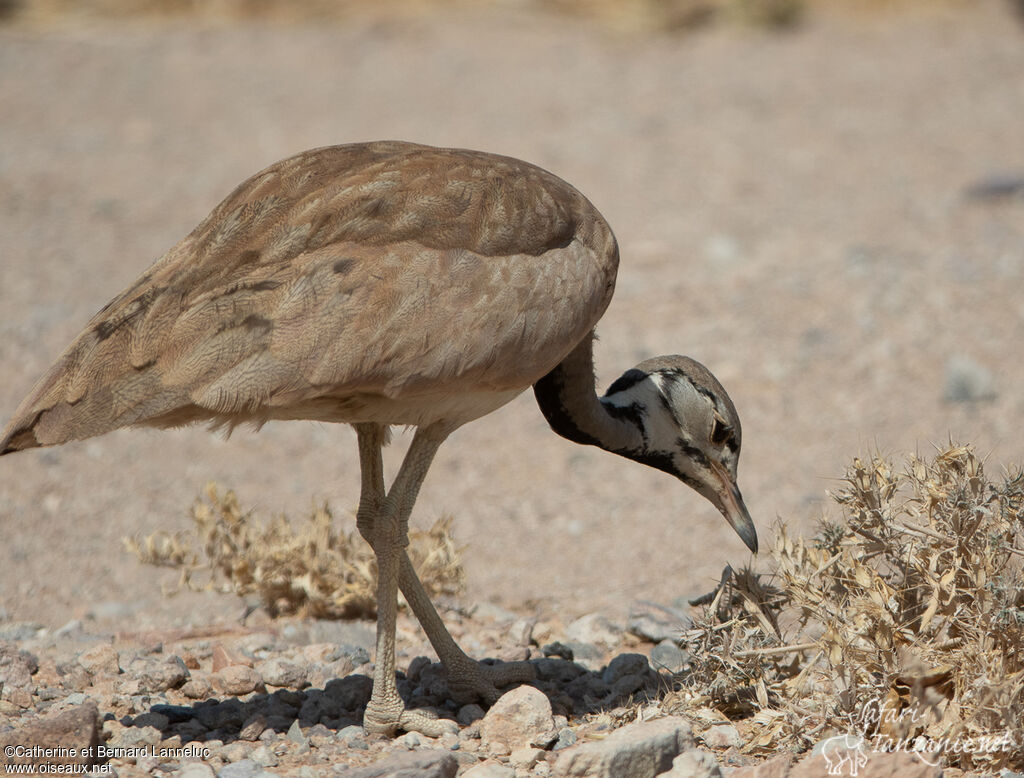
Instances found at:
x=380 y=284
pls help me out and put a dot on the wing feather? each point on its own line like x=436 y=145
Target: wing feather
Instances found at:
x=387 y=268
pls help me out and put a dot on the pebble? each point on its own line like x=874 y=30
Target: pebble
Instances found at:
x=295 y=733
x=639 y=750
x=520 y=717
x=656 y=622
x=694 y=764
x=100 y=660
x=263 y=756
x=489 y=769
x=194 y=770
x=670 y=657
x=253 y=728
x=16 y=669
x=722 y=736
x=157 y=675
x=281 y=672
x=594 y=628
x=526 y=757
x=414 y=764
x=245 y=768
x=198 y=687
x=236 y=680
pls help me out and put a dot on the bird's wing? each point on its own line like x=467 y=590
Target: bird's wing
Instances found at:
x=376 y=269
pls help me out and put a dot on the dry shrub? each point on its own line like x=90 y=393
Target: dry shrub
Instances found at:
x=904 y=623
x=313 y=570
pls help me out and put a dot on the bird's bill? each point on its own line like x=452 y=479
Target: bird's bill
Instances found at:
x=730 y=503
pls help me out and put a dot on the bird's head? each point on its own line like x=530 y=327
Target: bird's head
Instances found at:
x=689 y=428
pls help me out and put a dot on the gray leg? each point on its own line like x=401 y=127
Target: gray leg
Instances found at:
x=384 y=522
x=467 y=679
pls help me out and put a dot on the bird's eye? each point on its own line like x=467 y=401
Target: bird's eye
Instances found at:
x=720 y=432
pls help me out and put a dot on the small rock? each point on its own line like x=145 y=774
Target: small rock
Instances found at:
x=194 y=770
x=520 y=633
x=640 y=750
x=350 y=733
x=281 y=672
x=410 y=764
x=77 y=729
x=525 y=757
x=694 y=764
x=776 y=767
x=198 y=687
x=489 y=769
x=411 y=740
x=263 y=756
x=16 y=670
x=100 y=660
x=223 y=658
x=864 y=762
x=497 y=748
x=320 y=674
x=566 y=737
x=253 y=728
x=235 y=752
x=295 y=733
x=236 y=680
x=655 y=622
x=594 y=628
x=244 y=768
x=157 y=675
x=722 y=736
x=668 y=656
x=137 y=737
x=519 y=718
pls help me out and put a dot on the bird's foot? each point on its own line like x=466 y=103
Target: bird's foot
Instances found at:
x=389 y=719
x=470 y=681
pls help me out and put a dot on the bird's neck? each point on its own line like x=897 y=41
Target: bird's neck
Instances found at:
x=569 y=402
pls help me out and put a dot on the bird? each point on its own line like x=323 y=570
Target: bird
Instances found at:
x=389 y=284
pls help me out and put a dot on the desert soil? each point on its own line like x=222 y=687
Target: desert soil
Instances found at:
x=793 y=210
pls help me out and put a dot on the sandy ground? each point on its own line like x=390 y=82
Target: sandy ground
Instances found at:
x=790 y=209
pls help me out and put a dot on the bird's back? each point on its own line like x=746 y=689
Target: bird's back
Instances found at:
x=384 y=281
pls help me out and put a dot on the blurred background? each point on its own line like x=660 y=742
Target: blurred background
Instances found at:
x=821 y=201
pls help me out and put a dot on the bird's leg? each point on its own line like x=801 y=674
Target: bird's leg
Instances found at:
x=384 y=522
x=468 y=680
